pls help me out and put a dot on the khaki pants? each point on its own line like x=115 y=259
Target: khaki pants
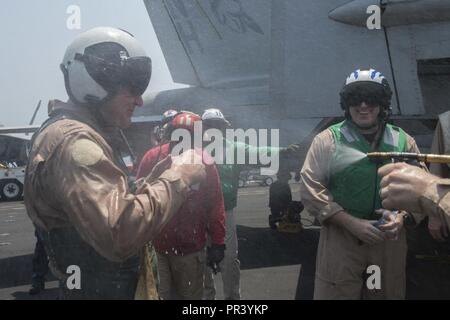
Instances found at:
x=229 y=267
x=181 y=277
x=148 y=275
x=342 y=261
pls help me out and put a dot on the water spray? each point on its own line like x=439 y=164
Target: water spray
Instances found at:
x=408 y=157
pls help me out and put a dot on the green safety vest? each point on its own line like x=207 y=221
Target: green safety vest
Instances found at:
x=354 y=184
x=229 y=179
x=229 y=173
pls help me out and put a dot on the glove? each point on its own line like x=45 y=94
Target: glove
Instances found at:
x=214 y=255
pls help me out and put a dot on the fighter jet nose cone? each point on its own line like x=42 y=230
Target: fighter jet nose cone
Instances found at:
x=354 y=12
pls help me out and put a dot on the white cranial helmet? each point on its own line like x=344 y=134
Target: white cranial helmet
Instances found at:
x=213 y=114
x=101 y=61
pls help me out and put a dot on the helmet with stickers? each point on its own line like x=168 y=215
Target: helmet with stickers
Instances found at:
x=214 y=118
x=367 y=85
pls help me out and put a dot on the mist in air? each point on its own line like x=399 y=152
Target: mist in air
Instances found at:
x=348 y=157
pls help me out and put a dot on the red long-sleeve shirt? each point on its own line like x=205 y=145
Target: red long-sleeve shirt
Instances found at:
x=202 y=213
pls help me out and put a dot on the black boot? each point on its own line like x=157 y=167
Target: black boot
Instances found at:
x=273 y=219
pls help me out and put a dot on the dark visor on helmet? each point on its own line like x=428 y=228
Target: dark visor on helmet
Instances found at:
x=370 y=94
x=136 y=74
x=357 y=99
x=132 y=73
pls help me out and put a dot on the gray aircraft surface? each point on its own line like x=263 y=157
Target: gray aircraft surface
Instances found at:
x=281 y=64
x=14 y=147
x=22 y=132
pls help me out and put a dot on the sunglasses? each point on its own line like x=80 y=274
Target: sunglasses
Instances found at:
x=371 y=101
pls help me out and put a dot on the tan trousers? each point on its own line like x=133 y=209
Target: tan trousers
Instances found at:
x=229 y=267
x=342 y=262
x=181 y=277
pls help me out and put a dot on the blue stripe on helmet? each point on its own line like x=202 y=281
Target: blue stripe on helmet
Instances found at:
x=374 y=73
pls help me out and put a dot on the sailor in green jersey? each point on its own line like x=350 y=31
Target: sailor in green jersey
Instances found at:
x=340 y=186
x=229 y=177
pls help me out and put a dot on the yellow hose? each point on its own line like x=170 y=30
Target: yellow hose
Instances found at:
x=402 y=156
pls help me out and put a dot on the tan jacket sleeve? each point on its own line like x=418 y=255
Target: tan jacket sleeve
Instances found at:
x=436 y=199
x=411 y=144
x=437 y=147
x=412 y=147
x=314 y=175
x=94 y=194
